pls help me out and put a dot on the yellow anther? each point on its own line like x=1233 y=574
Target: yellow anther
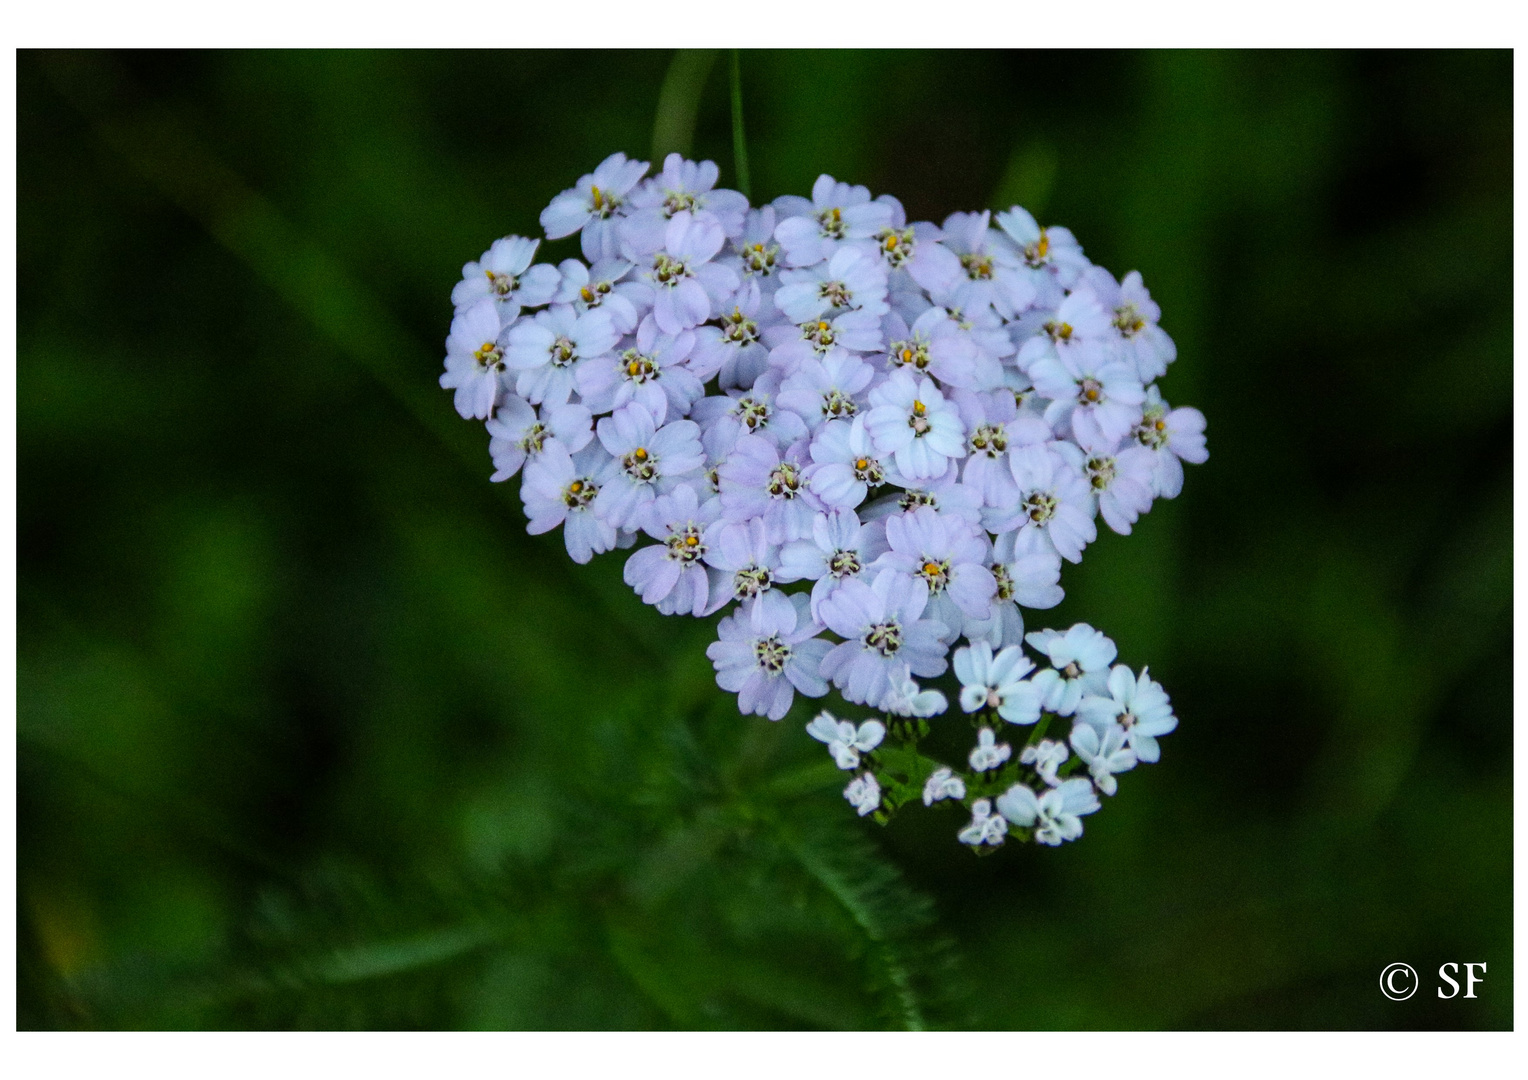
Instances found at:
x=822 y=326
x=1092 y=394
x=691 y=541
x=891 y=241
x=640 y=454
x=1161 y=425
x=488 y=274
x=930 y=569
x=862 y=464
x=599 y=199
x=576 y=486
x=907 y=356
x=919 y=408
x=1043 y=247
x=633 y=367
x=586 y=294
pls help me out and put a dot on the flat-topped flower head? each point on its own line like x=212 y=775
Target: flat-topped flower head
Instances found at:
x=595 y=204
x=652 y=460
x=475 y=360
x=517 y=433
x=767 y=652
x=885 y=636
x=911 y=420
x=844 y=740
x=922 y=422
x=561 y=489
x=1139 y=706
x=986 y=827
x=1080 y=660
x=545 y=351
x=997 y=682
x=504 y=274
x=1056 y=815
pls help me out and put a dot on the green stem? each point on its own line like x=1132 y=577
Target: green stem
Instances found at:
x=679 y=102
x=739 y=142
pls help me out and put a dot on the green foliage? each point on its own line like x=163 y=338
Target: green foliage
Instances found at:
x=311 y=734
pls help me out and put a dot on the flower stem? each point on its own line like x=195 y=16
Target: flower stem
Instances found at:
x=739 y=142
x=679 y=101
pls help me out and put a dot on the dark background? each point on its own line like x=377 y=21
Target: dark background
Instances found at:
x=310 y=733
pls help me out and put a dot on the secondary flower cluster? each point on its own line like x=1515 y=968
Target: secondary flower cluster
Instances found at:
x=920 y=421
x=1116 y=717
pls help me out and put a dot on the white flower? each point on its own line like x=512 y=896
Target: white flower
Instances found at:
x=1174 y=437
x=911 y=420
x=989 y=754
x=864 y=793
x=594 y=205
x=923 y=422
x=767 y=652
x=908 y=699
x=475 y=360
x=547 y=349
x=1105 y=755
x=997 y=682
x=845 y=741
x=1081 y=657
x=1046 y=756
x=517 y=433
x=504 y=275
x=943 y=784
x=1055 y=815
x=1138 y=705
x=985 y=827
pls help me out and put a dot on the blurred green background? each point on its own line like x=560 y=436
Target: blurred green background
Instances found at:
x=310 y=733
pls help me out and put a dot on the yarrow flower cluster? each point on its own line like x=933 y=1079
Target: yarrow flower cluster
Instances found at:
x=878 y=439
